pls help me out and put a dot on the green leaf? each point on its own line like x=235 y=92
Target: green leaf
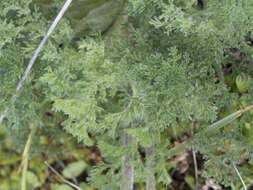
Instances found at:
x=85 y=186
x=32 y=179
x=190 y=181
x=164 y=177
x=61 y=187
x=223 y=122
x=144 y=137
x=243 y=82
x=74 y=169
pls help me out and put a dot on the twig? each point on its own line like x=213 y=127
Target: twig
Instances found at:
x=42 y=43
x=37 y=52
x=62 y=165
x=195 y=169
x=61 y=177
x=239 y=175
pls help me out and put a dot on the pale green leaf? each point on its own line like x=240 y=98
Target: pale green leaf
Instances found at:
x=61 y=187
x=74 y=169
x=32 y=179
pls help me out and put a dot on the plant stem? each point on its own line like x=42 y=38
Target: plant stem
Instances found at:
x=239 y=175
x=150 y=182
x=195 y=169
x=128 y=169
x=25 y=157
x=218 y=70
x=27 y=148
x=24 y=171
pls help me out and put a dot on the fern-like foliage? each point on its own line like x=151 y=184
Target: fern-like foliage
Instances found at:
x=168 y=72
x=22 y=28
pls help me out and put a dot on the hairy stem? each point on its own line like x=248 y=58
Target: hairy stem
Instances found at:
x=150 y=182
x=128 y=169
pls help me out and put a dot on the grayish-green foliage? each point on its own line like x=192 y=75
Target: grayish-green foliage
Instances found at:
x=167 y=73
